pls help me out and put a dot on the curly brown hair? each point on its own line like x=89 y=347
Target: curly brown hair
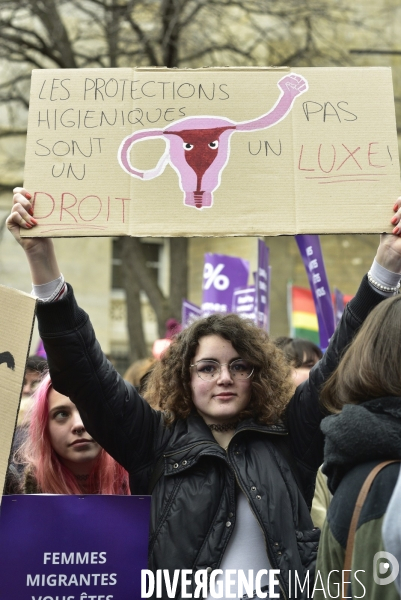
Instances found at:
x=168 y=387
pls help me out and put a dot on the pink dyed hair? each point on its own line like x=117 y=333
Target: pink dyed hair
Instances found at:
x=52 y=477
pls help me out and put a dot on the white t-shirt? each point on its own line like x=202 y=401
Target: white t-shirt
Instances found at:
x=246 y=549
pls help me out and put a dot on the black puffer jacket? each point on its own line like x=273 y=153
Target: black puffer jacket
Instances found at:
x=193 y=505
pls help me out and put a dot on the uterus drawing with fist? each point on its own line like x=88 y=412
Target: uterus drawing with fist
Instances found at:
x=198 y=148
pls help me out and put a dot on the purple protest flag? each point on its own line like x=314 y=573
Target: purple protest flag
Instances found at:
x=40 y=350
x=189 y=313
x=311 y=253
x=244 y=303
x=269 y=281
x=73 y=546
x=338 y=304
x=221 y=276
x=262 y=287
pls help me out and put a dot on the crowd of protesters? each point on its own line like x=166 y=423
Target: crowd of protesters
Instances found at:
x=229 y=431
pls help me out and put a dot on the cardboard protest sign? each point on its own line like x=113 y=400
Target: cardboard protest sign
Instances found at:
x=16 y=322
x=217 y=151
x=73 y=547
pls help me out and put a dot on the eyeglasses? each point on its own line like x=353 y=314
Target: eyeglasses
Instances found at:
x=208 y=370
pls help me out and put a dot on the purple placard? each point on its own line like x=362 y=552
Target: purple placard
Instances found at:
x=244 y=303
x=269 y=280
x=338 y=304
x=262 y=285
x=40 y=350
x=221 y=276
x=311 y=252
x=189 y=313
x=69 y=546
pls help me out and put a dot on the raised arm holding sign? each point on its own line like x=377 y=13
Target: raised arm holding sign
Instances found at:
x=232 y=442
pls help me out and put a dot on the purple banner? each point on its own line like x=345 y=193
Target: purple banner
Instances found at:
x=189 y=313
x=244 y=303
x=338 y=304
x=311 y=253
x=262 y=285
x=221 y=276
x=73 y=547
x=40 y=350
x=269 y=279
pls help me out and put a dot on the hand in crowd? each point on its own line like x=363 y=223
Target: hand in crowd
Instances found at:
x=389 y=250
x=22 y=216
x=39 y=250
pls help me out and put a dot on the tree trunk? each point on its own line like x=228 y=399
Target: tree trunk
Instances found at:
x=137 y=344
x=170 y=18
x=133 y=253
x=178 y=275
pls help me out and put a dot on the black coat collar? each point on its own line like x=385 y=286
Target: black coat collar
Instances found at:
x=191 y=438
x=361 y=433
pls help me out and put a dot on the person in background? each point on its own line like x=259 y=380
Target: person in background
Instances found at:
x=301 y=354
x=173 y=327
x=59 y=456
x=365 y=392
x=231 y=459
x=34 y=369
x=138 y=370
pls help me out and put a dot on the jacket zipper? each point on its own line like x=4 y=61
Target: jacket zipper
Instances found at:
x=250 y=506
x=239 y=485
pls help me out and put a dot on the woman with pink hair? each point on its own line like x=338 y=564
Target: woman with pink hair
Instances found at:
x=59 y=455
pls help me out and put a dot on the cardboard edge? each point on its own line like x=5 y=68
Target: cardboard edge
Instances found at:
x=18 y=292
x=212 y=69
x=22 y=385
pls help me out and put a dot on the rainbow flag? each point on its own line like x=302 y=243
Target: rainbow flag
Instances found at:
x=302 y=313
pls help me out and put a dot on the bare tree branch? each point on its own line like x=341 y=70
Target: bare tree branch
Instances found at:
x=173 y=33
x=11 y=133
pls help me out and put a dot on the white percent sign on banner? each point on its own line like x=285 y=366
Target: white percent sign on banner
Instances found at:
x=212 y=277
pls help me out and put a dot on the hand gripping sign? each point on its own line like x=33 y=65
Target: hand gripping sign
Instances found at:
x=198 y=148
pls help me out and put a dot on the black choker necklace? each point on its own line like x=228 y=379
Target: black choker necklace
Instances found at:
x=82 y=477
x=228 y=426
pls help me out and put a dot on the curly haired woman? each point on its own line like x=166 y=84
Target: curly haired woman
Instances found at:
x=231 y=458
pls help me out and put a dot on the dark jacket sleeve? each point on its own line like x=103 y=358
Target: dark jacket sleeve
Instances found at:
x=13 y=481
x=304 y=412
x=112 y=411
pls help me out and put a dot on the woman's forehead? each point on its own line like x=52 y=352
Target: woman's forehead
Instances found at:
x=57 y=399
x=214 y=346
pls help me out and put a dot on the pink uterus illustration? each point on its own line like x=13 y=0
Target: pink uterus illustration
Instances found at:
x=198 y=148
